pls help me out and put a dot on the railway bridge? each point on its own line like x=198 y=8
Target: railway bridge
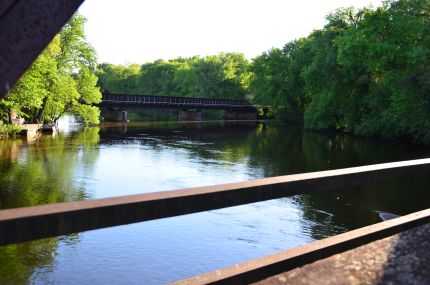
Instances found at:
x=114 y=106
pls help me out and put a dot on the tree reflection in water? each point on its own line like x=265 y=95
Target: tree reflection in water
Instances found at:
x=58 y=169
x=37 y=173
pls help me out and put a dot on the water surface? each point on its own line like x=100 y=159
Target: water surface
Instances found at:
x=114 y=160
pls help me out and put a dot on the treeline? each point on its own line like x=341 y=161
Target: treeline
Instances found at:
x=366 y=72
x=220 y=76
x=60 y=81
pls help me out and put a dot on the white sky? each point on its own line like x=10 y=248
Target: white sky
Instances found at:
x=138 y=31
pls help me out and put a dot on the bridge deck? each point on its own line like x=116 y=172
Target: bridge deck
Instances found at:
x=399 y=259
x=367 y=255
x=169 y=102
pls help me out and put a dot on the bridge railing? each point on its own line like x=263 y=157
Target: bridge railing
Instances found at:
x=167 y=100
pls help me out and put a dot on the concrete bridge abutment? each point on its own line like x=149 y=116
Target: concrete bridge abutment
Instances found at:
x=190 y=115
x=114 y=115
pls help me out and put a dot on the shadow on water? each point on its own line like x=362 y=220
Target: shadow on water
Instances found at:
x=273 y=150
x=204 y=142
x=58 y=169
x=340 y=210
x=289 y=150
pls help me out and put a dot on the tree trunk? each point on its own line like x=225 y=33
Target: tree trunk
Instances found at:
x=39 y=116
x=59 y=116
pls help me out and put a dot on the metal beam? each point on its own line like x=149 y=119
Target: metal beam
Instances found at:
x=26 y=28
x=173 y=102
x=260 y=268
x=24 y=224
x=4 y=6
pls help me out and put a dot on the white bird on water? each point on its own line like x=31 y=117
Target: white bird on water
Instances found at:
x=386 y=216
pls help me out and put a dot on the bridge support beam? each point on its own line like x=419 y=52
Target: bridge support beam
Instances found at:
x=114 y=115
x=26 y=28
x=187 y=115
x=238 y=115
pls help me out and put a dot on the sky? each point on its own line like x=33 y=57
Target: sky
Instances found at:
x=140 y=31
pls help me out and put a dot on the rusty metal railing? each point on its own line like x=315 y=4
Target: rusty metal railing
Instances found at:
x=260 y=268
x=24 y=224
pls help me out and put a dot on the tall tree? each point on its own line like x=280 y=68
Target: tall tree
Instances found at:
x=366 y=72
x=61 y=80
x=219 y=76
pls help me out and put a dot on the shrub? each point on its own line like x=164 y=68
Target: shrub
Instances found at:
x=8 y=130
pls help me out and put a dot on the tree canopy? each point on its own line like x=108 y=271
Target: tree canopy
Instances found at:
x=60 y=81
x=366 y=72
x=219 y=76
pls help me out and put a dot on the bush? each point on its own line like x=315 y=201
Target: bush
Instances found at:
x=8 y=130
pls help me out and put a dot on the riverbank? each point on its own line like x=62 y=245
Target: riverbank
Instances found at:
x=28 y=131
x=7 y=130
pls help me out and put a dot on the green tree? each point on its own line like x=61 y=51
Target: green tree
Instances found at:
x=60 y=81
x=366 y=72
x=277 y=80
x=118 y=78
x=332 y=105
x=156 y=78
x=220 y=76
x=388 y=53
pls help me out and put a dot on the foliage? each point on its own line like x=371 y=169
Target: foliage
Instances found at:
x=366 y=72
x=277 y=79
x=60 y=81
x=8 y=130
x=388 y=51
x=220 y=76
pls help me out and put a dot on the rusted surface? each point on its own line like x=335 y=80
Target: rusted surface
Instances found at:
x=26 y=28
x=5 y=5
x=265 y=267
x=23 y=224
x=399 y=259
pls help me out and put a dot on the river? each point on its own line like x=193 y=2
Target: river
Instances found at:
x=116 y=159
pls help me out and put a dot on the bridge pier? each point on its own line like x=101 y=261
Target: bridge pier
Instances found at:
x=190 y=115
x=240 y=115
x=114 y=115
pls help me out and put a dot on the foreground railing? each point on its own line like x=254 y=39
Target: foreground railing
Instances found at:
x=267 y=266
x=25 y=224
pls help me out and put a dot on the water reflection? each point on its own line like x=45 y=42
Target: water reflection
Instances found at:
x=123 y=159
x=46 y=171
x=41 y=172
